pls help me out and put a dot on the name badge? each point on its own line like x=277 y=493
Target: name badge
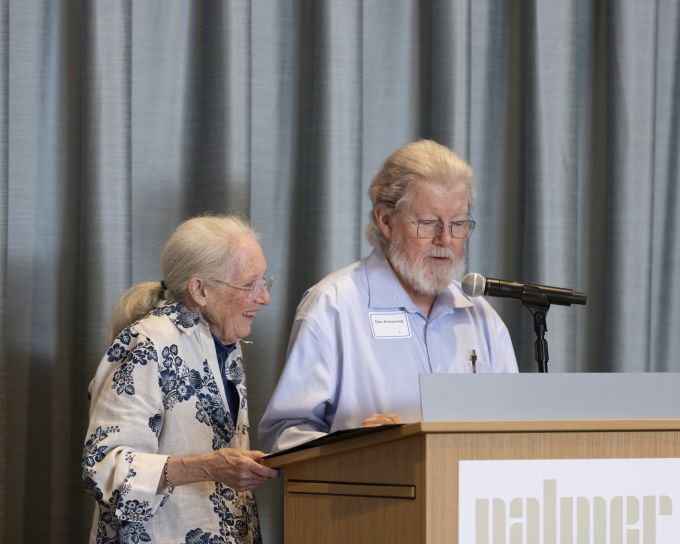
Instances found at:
x=391 y=325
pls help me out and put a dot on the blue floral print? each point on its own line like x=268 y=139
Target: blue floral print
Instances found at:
x=93 y=451
x=179 y=314
x=142 y=353
x=177 y=382
x=233 y=528
x=211 y=410
x=155 y=423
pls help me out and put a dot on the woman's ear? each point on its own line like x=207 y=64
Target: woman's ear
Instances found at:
x=383 y=217
x=196 y=292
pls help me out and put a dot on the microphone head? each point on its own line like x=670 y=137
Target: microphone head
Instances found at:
x=473 y=284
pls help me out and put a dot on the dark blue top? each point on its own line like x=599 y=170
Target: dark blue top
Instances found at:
x=229 y=386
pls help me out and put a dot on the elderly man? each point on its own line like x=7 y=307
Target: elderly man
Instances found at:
x=363 y=334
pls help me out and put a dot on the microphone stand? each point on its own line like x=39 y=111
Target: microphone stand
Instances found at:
x=538 y=304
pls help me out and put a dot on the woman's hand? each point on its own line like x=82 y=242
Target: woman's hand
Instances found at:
x=380 y=419
x=240 y=469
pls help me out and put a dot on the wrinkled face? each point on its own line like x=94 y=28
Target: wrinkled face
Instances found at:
x=230 y=311
x=427 y=265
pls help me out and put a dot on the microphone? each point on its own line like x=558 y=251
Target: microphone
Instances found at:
x=474 y=285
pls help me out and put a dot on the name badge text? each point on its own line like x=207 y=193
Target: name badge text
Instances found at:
x=389 y=325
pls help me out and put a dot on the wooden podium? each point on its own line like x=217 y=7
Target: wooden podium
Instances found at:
x=401 y=484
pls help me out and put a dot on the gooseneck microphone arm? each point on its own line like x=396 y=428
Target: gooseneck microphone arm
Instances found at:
x=513 y=289
x=536 y=298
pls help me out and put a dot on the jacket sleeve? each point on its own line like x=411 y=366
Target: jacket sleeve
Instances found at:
x=121 y=464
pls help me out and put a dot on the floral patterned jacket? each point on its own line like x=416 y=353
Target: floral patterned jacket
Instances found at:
x=157 y=393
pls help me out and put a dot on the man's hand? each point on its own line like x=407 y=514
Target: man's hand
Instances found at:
x=380 y=419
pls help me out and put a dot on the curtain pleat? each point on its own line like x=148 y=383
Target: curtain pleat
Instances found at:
x=664 y=228
x=4 y=234
x=121 y=118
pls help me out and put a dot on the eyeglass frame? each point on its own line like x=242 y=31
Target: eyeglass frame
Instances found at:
x=255 y=287
x=469 y=221
x=428 y=222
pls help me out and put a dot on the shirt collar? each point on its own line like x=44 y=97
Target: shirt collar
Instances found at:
x=385 y=290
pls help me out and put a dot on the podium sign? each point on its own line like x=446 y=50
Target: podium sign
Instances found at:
x=589 y=501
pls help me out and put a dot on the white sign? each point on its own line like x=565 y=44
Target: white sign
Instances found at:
x=389 y=325
x=582 y=501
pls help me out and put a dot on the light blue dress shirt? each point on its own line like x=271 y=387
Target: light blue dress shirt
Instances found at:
x=358 y=345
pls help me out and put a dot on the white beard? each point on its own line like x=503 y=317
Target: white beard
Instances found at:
x=428 y=279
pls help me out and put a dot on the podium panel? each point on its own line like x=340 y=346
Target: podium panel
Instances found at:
x=401 y=484
x=556 y=396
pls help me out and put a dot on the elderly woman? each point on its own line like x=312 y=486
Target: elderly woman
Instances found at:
x=167 y=455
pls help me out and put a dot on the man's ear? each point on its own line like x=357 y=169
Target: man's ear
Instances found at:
x=196 y=291
x=383 y=217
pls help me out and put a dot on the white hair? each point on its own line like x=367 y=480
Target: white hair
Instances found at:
x=424 y=160
x=199 y=247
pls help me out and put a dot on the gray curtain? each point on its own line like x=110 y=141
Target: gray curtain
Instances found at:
x=119 y=119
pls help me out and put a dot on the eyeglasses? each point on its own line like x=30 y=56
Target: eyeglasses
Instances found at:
x=429 y=228
x=255 y=287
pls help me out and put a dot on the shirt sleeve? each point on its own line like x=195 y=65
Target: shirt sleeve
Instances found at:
x=121 y=464
x=305 y=399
